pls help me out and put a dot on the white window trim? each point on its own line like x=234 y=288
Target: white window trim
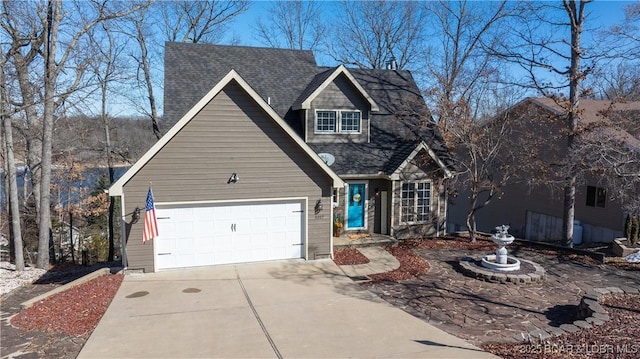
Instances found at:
x=415 y=199
x=315 y=122
x=338 y=122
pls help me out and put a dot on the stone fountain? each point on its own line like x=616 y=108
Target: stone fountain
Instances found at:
x=500 y=267
x=501 y=261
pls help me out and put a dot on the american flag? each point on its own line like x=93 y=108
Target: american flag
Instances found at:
x=150 y=220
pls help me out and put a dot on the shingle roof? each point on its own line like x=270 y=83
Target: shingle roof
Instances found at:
x=604 y=112
x=317 y=80
x=290 y=76
x=191 y=70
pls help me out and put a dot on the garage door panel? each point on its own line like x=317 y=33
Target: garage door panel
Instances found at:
x=222 y=234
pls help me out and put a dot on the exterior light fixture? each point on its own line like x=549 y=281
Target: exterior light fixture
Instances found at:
x=135 y=215
x=234 y=178
x=318 y=207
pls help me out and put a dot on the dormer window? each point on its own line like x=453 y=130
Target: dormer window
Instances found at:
x=338 y=121
x=350 y=121
x=326 y=121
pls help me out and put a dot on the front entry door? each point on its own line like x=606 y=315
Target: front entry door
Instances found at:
x=355 y=206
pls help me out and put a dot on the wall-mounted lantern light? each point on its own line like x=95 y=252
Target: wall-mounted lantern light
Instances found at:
x=234 y=178
x=318 y=207
x=135 y=215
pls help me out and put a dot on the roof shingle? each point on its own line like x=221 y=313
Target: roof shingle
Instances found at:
x=285 y=77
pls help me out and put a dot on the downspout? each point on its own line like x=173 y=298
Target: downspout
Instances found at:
x=123 y=233
x=446 y=208
x=369 y=127
x=306 y=125
x=438 y=209
x=331 y=227
x=393 y=207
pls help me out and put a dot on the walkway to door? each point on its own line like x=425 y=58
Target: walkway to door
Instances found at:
x=371 y=240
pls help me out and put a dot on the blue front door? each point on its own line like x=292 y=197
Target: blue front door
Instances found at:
x=355 y=205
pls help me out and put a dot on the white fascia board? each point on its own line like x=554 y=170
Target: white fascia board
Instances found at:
x=117 y=188
x=365 y=176
x=306 y=104
x=395 y=176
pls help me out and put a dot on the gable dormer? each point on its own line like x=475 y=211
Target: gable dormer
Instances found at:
x=335 y=108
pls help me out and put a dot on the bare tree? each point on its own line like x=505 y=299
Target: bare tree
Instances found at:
x=619 y=79
x=109 y=70
x=483 y=152
x=610 y=151
x=62 y=74
x=463 y=83
x=620 y=84
x=537 y=47
x=627 y=34
x=199 y=21
x=293 y=24
x=376 y=34
x=21 y=26
x=14 y=208
x=457 y=61
x=183 y=21
x=143 y=75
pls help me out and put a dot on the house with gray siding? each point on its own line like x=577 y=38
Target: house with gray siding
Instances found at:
x=264 y=151
x=534 y=212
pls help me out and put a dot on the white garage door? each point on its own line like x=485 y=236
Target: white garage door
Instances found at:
x=208 y=235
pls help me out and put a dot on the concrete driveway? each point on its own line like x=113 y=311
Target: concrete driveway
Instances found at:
x=287 y=309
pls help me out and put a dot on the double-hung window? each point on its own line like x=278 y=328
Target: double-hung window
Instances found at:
x=415 y=201
x=338 y=121
x=349 y=121
x=326 y=121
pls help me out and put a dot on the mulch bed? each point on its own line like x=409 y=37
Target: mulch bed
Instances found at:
x=411 y=266
x=75 y=311
x=349 y=256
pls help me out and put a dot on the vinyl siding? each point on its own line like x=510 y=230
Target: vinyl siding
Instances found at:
x=339 y=95
x=231 y=134
x=534 y=130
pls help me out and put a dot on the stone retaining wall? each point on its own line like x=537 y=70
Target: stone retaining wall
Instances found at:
x=590 y=313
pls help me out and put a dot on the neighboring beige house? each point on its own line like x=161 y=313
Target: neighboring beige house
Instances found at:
x=535 y=212
x=267 y=149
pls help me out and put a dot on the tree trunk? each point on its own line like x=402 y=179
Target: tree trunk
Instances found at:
x=576 y=17
x=14 y=208
x=44 y=218
x=73 y=254
x=471 y=215
x=34 y=126
x=144 y=63
x=568 y=213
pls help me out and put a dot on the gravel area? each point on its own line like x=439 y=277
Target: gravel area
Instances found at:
x=10 y=279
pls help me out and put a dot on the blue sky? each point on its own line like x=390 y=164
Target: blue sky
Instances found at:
x=601 y=14
x=604 y=12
